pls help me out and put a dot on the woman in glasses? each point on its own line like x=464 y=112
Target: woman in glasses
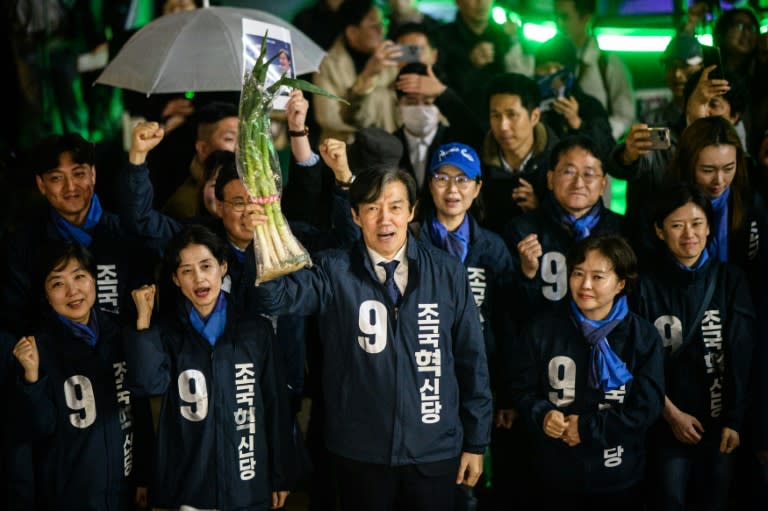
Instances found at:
x=450 y=209
x=449 y=222
x=735 y=33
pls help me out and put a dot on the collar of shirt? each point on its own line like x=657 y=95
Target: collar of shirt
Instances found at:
x=417 y=153
x=507 y=167
x=401 y=272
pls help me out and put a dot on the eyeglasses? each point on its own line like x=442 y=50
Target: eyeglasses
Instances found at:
x=589 y=175
x=442 y=180
x=741 y=27
x=237 y=205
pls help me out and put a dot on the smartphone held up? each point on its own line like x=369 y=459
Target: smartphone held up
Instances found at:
x=409 y=53
x=660 y=139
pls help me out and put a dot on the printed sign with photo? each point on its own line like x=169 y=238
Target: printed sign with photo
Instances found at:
x=279 y=53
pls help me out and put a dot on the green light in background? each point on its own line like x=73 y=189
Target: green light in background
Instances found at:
x=539 y=32
x=499 y=15
x=608 y=38
x=705 y=39
x=644 y=43
x=612 y=39
x=190 y=94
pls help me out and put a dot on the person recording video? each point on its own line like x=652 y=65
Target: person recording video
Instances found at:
x=565 y=107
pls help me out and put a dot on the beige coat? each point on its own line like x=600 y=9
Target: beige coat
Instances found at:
x=377 y=107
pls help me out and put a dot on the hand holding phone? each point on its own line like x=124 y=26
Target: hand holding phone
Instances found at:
x=409 y=53
x=660 y=138
x=718 y=73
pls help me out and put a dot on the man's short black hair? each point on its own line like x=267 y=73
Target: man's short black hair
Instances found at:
x=416 y=68
x=215 y=111
x=415 y=28
x=558 y=49
x=214 y=161
x=518 y=85
x=227 y=171
x=352 y=12
x=567 y=143
x=44 y=156
x=369 y=185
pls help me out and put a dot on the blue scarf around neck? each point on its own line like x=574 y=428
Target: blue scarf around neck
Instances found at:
x=703 y=258
x=606 y=370
x=719 y=242
x=88 y=333
x=454 y=242
x=213 y=326
x=72 y=232
x=583 y=226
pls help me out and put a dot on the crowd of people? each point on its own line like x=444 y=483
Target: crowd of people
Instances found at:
x=477 y=327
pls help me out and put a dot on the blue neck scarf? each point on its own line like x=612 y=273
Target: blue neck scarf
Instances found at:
x=703 y=258
x=606 y=370
x=454 y=242
x=582 y=227
x=719 y=242
x=72 y=232
x=239 y=254
x=213 y=326
x=88 y=333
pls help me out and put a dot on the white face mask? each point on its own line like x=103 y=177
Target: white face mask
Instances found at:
x=420 y=120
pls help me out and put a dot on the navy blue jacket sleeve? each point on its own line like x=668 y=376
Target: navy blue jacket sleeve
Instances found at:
x=471 y=366
x=149 y=371
x=136 y=211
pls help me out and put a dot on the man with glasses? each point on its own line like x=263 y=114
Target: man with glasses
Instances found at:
x=573 y=210
x=538 y=242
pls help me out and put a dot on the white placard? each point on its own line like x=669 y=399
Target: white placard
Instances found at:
x=279 y=54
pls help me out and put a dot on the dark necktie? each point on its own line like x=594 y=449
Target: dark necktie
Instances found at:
x=389 y=282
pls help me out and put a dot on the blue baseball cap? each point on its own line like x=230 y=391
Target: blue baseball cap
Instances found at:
x=461 y=156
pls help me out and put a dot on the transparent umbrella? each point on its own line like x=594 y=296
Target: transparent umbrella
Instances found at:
x=199 y=50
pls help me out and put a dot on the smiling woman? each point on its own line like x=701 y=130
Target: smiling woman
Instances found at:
x=703 y=312
x=85 y=430
x=590 y=374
